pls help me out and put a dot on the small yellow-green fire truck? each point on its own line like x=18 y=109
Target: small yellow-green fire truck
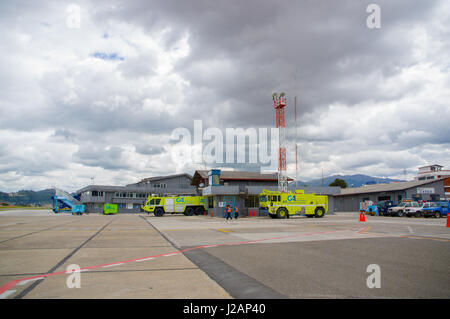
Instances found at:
x=188 y=205
x=283 y=205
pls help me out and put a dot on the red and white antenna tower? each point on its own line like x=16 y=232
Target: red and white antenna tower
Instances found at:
x=279 y=104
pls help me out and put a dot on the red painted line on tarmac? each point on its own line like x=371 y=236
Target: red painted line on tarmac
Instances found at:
x=13 y=283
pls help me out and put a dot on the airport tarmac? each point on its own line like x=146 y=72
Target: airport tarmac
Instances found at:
x=176 y=256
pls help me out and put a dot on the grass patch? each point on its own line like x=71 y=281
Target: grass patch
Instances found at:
x=2 y=208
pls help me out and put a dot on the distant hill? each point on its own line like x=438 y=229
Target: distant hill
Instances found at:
x=352 y=180
x=28 y=197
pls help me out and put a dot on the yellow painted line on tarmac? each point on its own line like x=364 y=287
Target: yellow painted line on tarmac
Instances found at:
x=224 y=231
x=430 y=238
x=364 y=230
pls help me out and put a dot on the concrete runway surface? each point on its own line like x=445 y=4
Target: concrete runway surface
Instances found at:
x=140 y=256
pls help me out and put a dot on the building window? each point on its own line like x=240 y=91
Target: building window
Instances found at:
x=97 y=194
x=252 y=201
x=210 y=202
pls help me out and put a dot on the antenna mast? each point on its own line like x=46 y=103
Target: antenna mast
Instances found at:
x=279 y=104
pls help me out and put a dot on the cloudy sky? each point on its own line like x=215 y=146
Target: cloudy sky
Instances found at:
x=101 y=98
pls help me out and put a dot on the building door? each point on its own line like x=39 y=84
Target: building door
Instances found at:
x=229 y=200
x=168 y=205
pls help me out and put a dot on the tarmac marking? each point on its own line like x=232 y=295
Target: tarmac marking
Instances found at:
x=429 y=238
x=13 y=283
x=410 y=229
x=29 y=280
x=111 y=265
x=224 y=231
x=144 y=259
x=363 y=230
x=6 y=294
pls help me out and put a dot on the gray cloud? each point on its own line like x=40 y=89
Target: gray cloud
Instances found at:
x=366 y=98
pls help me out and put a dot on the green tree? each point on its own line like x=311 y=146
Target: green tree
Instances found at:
x=339 y=182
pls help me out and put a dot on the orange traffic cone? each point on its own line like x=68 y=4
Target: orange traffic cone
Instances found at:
x=362 y=217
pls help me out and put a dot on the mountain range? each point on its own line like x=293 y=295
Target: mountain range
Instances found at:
x=356 y=180
x=28 y=197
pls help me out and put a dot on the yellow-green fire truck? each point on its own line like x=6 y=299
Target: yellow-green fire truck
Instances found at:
x=188 y=205
x=283 y=205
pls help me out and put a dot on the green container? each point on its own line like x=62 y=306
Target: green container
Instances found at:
x=110 y=209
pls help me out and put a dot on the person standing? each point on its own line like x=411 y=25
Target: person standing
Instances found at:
x=228 y=212
x=236 y=212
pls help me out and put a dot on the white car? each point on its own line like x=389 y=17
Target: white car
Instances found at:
x=400 y=209
x=416 y=209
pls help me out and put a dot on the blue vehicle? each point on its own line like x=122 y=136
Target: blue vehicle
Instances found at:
x=383 y=207
x=436 y=209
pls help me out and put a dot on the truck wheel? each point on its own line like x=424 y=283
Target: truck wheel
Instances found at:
x=199 y=211
x=319 y=212
x=282 y=212
x=159 y=212
x=418 y=214
x=189 y=211
x=437 y=214
x=400 y=213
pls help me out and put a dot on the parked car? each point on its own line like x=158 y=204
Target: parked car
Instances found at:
x=416 y=209
x=383 y=207
x=436 y=209
x=400 y=209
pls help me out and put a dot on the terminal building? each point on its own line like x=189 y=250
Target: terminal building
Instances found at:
x=349 y=198
x=130 y=198
x=242 y=189
x=431 y=184
x=221 y=188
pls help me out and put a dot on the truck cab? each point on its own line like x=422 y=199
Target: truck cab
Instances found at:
x=436 y=209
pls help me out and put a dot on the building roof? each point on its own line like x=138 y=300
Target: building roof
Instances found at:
x=136 y=189
x=375 y=188
x=430 y=166
x=157 y=178
x=236 y=175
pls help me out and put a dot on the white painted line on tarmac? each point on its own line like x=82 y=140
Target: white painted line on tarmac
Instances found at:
x=113 y=265
x=410 y=229
x=172 y=254
x=6 y=294
x=29 y=280
x=144 y=259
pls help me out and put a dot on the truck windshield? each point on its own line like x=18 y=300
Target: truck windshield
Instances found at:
x=263 y=198
x=435 y=205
